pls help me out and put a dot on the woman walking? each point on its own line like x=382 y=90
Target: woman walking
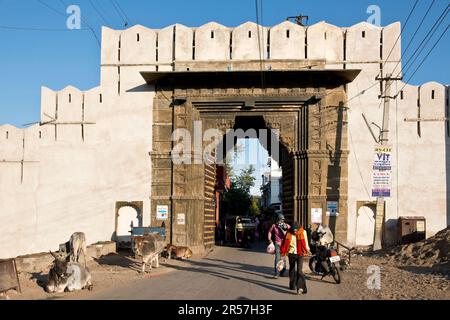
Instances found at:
x=276 y=236
x=295 y=246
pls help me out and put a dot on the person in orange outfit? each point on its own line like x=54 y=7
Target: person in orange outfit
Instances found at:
x=295 y=246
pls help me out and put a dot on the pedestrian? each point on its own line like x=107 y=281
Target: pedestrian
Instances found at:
x=265 y=227
x=295 y=246
x=276 y=236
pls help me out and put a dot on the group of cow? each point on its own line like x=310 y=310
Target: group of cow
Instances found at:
x=67 y=274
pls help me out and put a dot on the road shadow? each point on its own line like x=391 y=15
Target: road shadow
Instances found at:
x=208 y=268
x=257 y=270
x=243 y=267
x=314 y=278
x=121 y=259
x=41 y=279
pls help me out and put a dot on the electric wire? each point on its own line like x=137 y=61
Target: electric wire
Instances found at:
x=415 y=33
x=63 y=14
x=259 y=30
x=401 y=32
x=423 y=60
x=99 y=13
x=424 y=42
x=18 y=28
x=120 y=12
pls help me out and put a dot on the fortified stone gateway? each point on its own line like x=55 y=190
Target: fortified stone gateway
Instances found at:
x=98 y=155
x=305 y=106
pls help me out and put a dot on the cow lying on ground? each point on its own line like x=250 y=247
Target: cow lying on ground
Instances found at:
x=149 y=247
x=67 y=276
x=178 y=252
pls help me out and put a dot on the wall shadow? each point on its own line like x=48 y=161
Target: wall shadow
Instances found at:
x=334 y=171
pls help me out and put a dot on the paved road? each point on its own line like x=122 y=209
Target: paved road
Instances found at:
x=226 y=273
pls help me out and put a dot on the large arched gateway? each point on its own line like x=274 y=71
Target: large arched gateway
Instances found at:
x=305 y=107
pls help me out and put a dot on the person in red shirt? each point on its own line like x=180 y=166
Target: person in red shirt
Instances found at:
x=295 y=246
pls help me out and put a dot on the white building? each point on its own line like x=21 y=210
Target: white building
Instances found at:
x=272 y=183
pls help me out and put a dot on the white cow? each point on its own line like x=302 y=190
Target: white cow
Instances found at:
x=78 y=246
x=68 y=276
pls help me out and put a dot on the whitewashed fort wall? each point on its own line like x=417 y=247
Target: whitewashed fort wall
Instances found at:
x=92 y=148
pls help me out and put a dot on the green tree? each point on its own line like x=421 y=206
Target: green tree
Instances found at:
x=254 y=209
x=237 y=200
x=246 y=180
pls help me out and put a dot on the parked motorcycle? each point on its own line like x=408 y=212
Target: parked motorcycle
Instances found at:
x=325 y=259
x=240 y=230
x=245 y=231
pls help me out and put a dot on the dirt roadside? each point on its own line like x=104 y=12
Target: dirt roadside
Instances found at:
x=108 y=271
x=397 y=282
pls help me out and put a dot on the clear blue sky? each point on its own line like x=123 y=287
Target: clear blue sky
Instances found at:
x=31 y=59
x=255 y=154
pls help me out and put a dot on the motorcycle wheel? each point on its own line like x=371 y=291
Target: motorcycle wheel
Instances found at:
x=313 y=265
x=336 y=273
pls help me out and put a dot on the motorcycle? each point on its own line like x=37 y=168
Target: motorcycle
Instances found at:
x=245 y=231
x=244 y=237
x=325 y=260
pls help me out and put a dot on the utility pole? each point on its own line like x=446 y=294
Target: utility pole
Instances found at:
x=384 y=139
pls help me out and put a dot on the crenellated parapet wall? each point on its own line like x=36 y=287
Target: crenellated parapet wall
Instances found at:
x=361 y=43
x=177 y=48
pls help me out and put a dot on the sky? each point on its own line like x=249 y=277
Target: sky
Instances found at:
x=252 y=152
x=60 y=57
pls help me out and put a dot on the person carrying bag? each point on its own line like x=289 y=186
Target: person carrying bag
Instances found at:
x=276 y=236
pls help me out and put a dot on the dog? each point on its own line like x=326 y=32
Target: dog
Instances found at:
x=178 y=252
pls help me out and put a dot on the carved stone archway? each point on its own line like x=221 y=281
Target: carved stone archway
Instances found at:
x=308 y=112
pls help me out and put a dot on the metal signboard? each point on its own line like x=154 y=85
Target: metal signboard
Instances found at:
x=381 y=178
x=332 y=208
x=181 y=219
x=162 y=212
x=316 y=215
x=8 y=275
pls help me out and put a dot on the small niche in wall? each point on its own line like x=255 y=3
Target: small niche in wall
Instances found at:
x=138 y=38
x=249 y=33
x=363 y=34
x=101 y=98
x=325 y=35
x=40 y=134
x=288 y=33
x=432 y=94
x=7 y=134
x=70 y=98
x=401 y=95
x=212 y=34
